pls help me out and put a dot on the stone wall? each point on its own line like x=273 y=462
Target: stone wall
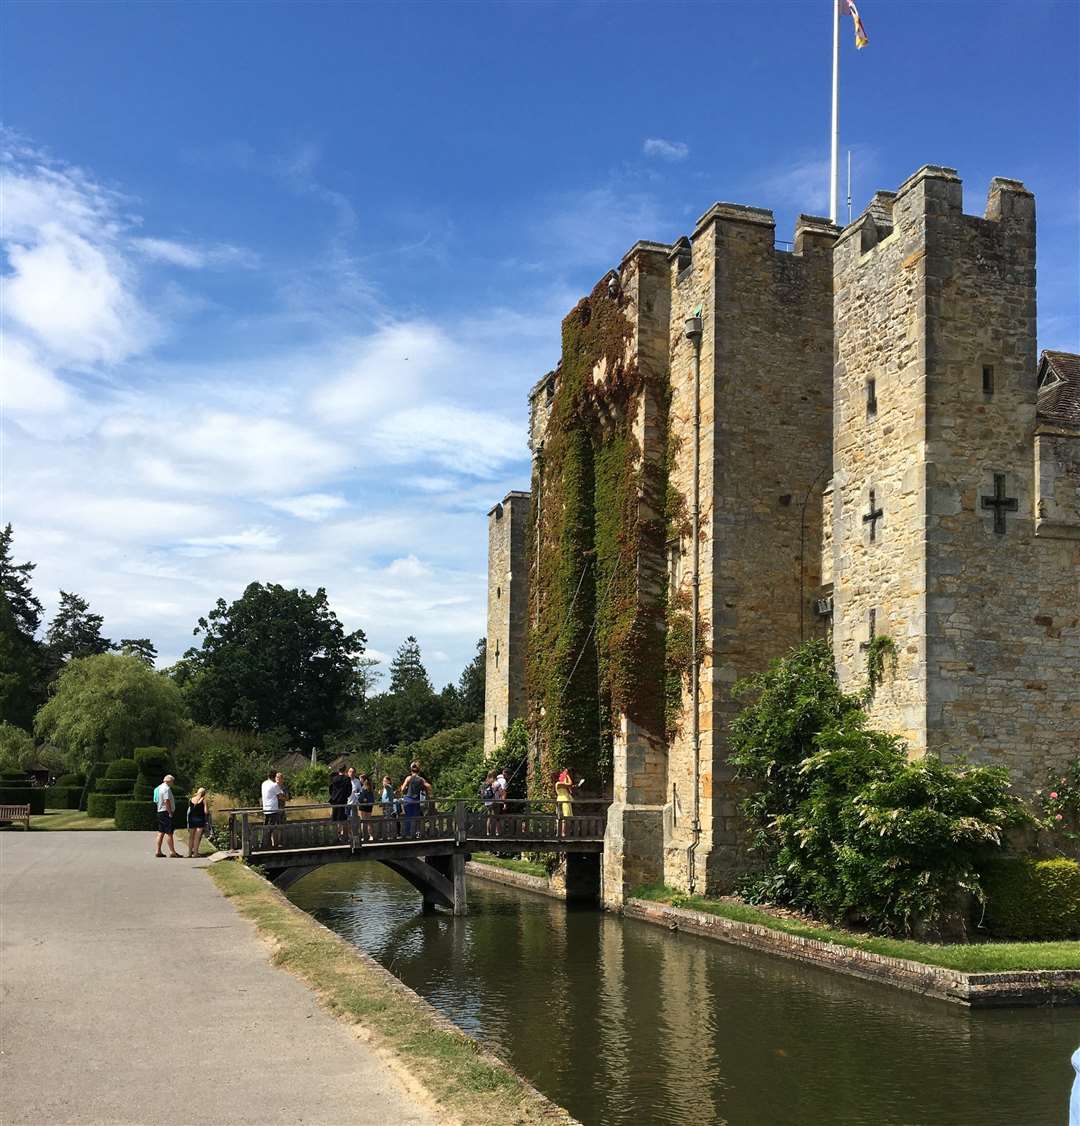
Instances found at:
x=938 y=308
x=507 y=617
x=766 y=392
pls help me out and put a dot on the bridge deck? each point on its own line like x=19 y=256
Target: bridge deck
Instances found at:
x=317 y=834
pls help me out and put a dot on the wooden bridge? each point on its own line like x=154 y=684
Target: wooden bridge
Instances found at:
x=430 y=849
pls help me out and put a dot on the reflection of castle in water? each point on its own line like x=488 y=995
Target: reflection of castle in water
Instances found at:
x=879 y=452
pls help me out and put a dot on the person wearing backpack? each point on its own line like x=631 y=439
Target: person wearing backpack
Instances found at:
x=487 y=796
x=412 y=790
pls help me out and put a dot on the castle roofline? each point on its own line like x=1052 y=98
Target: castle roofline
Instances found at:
x=514 y=494
x=539 y=385
x=736 y=212
x=645 y=246
x=1059 y=390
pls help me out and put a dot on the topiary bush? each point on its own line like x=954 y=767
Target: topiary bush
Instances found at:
x=34 y=797
x=72 y=780
x=95 y=771
x=101 y=805
x=153 y=762
x=1032 y=899
x=14 y=778
x=122 y=768
x=134 y=815
x=121 y=787
x=62 y=797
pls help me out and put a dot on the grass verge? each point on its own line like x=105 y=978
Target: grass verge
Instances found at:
x=529 y=867
x=465 y=1080
x=62 y=820
x=979 y=957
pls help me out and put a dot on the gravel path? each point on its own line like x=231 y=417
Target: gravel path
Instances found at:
x=132 y=992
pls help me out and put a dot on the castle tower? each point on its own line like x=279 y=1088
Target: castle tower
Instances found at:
x=508 y=598
x=764 y=452
x=942 y=472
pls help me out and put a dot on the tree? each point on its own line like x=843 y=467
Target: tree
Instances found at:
x=274 y=658
x=15 y=586
x=470 y=689
x=22 y=667
x=16 y=748
x=407 y=669
x=141 y=647
x=106 y=705
x=75 y=631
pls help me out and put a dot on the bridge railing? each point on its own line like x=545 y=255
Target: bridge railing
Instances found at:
x=321 y=825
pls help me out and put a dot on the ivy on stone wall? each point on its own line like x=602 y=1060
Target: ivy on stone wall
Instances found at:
x=597 y=638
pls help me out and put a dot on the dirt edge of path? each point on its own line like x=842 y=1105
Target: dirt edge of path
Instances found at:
x=442 y=1067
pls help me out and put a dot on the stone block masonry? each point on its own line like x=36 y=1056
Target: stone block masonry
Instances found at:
x=879 y=454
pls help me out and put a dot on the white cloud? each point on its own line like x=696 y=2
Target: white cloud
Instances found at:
x=310 y=506
x=408 y=568
x=192 y=257
x=259 y=539
x=26 y=386
x=470 y=441
x=665 y=150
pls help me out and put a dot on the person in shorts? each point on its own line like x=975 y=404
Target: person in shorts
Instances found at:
x=163 y=798
x=272 y=793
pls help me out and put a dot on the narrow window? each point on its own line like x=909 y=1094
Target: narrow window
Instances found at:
x=872 y=623
x=496 y=654
x=988 y=379
x=498 y=592
x=550 y=390
x=871 y=398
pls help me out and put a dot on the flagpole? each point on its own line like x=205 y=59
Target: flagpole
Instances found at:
x=834 y=173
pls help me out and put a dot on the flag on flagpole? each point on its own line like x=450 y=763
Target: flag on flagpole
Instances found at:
x=861 y=38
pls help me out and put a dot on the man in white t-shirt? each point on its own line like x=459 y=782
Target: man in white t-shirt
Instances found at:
x=272 y=793
x=163 y=799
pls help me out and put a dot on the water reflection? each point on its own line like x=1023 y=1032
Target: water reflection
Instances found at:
x=622 y=1022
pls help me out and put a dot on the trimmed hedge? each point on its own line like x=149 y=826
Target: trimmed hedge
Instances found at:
x=62 y=797
x=136 y=815
x=33 y=796
x=1032 y=899
x=144 y=791
x=122 y=768
x=72 y=780
x=121 y=787
x=14 y=778
x=153 y=760
x=101 y=805
x=95 y=771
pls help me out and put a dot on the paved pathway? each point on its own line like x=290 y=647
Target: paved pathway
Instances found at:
x=131 y=991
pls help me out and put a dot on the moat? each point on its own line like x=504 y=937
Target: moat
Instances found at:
x=622 y=1022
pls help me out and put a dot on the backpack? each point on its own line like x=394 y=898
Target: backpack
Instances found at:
x=487 y=792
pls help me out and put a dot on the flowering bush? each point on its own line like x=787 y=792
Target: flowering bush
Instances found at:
x=1059 y=802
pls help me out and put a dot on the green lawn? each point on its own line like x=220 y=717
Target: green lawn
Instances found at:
x=980 y=957
x=529 y=867
x=63 y=819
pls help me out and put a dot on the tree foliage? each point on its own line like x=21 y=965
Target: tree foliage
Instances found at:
x=846 y=825
x=105 y=706
x=16 y=748
x=274 y=658
x=23 y=672
x=16 y=589
x=75 y=631
x=141 y=647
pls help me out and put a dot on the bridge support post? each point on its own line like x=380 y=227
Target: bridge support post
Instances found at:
x=582 y=877
x=461 y=903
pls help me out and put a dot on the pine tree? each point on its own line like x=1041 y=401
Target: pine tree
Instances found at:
x=15 y=586
x=470 y=689
x=141 y=647
x=74 y=631
x=407 y=669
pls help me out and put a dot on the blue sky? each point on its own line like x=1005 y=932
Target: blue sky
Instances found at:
x=277 y=277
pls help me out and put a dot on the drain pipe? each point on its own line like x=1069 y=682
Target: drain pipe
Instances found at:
x=693 y=334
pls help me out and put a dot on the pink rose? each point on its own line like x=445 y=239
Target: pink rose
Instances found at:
x=1053 y=795
x=1057 y=816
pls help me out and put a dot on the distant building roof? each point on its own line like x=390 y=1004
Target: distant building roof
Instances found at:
x=294 y=760
x=1059 y=389
x=339 y=762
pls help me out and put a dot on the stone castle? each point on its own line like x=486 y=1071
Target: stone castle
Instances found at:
x=746 y=446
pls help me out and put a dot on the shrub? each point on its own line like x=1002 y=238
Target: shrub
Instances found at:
x=312 y=782
x=14 y=778
x=1032 y=899
x=151 y=761
x=231 y=768
x=34 y=797
x=120 y=787
x=122 y=768
x=72 y=780
x=101 y=805
x=135 y=815
x=846 y=825
x=62 y=797
x=95 y=771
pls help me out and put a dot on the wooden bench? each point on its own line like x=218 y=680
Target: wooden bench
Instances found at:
x=9 y=813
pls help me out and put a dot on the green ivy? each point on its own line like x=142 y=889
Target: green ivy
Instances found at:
x=880 y=652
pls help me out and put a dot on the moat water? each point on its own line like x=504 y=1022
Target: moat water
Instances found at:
x=622 y=1022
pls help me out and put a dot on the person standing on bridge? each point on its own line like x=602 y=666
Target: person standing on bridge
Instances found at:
x=412 y=790
x=340 y=789
x=365 y=799
x=272 y=793
x=564 y=796
x=391 y=826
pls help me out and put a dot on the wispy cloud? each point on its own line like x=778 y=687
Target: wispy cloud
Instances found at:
x=193 y=257
x=665 y=150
